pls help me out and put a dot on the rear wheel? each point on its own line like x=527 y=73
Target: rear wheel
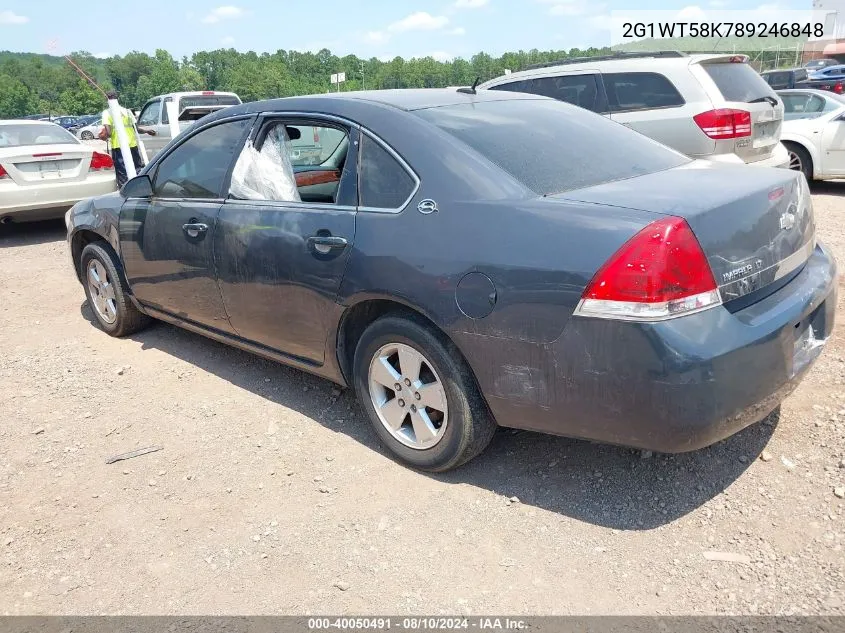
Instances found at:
x=105 y=289
x=87 y=136
x=800 y=160
x=420 y=395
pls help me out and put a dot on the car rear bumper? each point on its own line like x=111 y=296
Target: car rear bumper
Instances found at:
x=52 y=198
x=778 y=158
x=681 y=384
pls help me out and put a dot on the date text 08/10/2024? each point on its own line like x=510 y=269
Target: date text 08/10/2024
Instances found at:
x=415 y=624
x=636 y=30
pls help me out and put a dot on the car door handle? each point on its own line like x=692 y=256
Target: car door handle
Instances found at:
x=329 y=241
x=193 y=229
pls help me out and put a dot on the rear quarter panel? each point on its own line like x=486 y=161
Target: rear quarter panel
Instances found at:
x=539 y=255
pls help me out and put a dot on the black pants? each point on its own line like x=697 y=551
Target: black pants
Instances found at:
x=120 y=168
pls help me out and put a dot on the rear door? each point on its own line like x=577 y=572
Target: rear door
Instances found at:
x=167 y=240
x=833 y=146
x=286 y=232
x=733 y=84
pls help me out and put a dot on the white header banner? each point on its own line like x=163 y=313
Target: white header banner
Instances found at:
x=697 y=29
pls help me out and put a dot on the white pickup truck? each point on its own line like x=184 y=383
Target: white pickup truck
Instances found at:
x=190 y=106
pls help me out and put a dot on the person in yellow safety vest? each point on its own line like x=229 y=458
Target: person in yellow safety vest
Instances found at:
x=130 y=126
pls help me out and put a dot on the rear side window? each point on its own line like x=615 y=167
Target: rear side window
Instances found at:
x=384 y=183
x=552 y=147
x=738 y=82
x=193 y=101
x=514 y=86
x=580 y=90
x=627 y=92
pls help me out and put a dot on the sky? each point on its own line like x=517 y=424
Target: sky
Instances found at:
x=444 y=29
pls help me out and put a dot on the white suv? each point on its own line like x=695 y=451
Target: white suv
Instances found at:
x=715 y=107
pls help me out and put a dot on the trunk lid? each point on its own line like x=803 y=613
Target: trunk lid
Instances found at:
x=755 y=225
x=39 y=164
x=742 y=88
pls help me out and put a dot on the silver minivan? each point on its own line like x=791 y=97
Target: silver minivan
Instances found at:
x=191 y=106
x=714 y=107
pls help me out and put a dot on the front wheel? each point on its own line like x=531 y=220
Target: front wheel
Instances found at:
x=800 y=160
x=105 y=289
x=87 y=136
x=420 y=395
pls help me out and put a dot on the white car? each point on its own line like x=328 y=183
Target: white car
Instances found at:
x=90 y=132
x=813 y=132
x=45 y=170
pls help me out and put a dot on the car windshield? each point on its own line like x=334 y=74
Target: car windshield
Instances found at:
x=738 y=81
x=551 y=146
x=22 y=134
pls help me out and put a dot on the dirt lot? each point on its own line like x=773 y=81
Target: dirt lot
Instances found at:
x=271 y=494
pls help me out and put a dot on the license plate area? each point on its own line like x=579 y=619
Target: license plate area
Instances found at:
x=765 y=133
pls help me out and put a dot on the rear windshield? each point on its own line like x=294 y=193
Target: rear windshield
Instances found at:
x=207 y=100
x=738 y=82
x=551 y=146
x=12 y=135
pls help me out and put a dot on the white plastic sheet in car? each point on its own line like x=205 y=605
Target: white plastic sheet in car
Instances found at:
x=266 y=174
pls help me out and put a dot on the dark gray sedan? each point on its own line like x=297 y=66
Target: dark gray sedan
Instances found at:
x=472 y=260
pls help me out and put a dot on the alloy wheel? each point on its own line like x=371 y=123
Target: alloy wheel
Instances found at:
x=102 y=291
x=795 y=162
x=408 y=396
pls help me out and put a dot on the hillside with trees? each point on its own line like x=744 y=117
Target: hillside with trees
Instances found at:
x=31 y=83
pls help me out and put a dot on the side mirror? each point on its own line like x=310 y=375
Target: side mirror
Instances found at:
x=138 y=187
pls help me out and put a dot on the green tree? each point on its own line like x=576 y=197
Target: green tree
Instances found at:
x=16 y=100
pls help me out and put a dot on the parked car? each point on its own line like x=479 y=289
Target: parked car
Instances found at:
x=837 y=86
x=644 y=298
x=817 y=64
x=88 y=119
x=90 y=131
x=44 y=170
x=814 y=133
x=829 y=72
x=784 y=78
x=67 y=122
x=715 y=107
x=190 y=105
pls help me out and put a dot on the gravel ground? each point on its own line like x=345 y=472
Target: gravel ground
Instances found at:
x=271 y=494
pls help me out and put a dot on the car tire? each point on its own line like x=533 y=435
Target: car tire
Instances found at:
x=87 y=136
x=105 y=287
x=800 y=160
x=465 y=426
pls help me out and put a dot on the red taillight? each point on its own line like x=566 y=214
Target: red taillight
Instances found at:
x=48 y=154
x=838 y=88
x=659 y=273
x=724 y=123
x=208 y=92
x=3 y=173
x=101 y=161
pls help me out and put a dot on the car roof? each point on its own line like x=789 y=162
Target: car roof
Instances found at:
x=407 y=99
x=194 y=93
